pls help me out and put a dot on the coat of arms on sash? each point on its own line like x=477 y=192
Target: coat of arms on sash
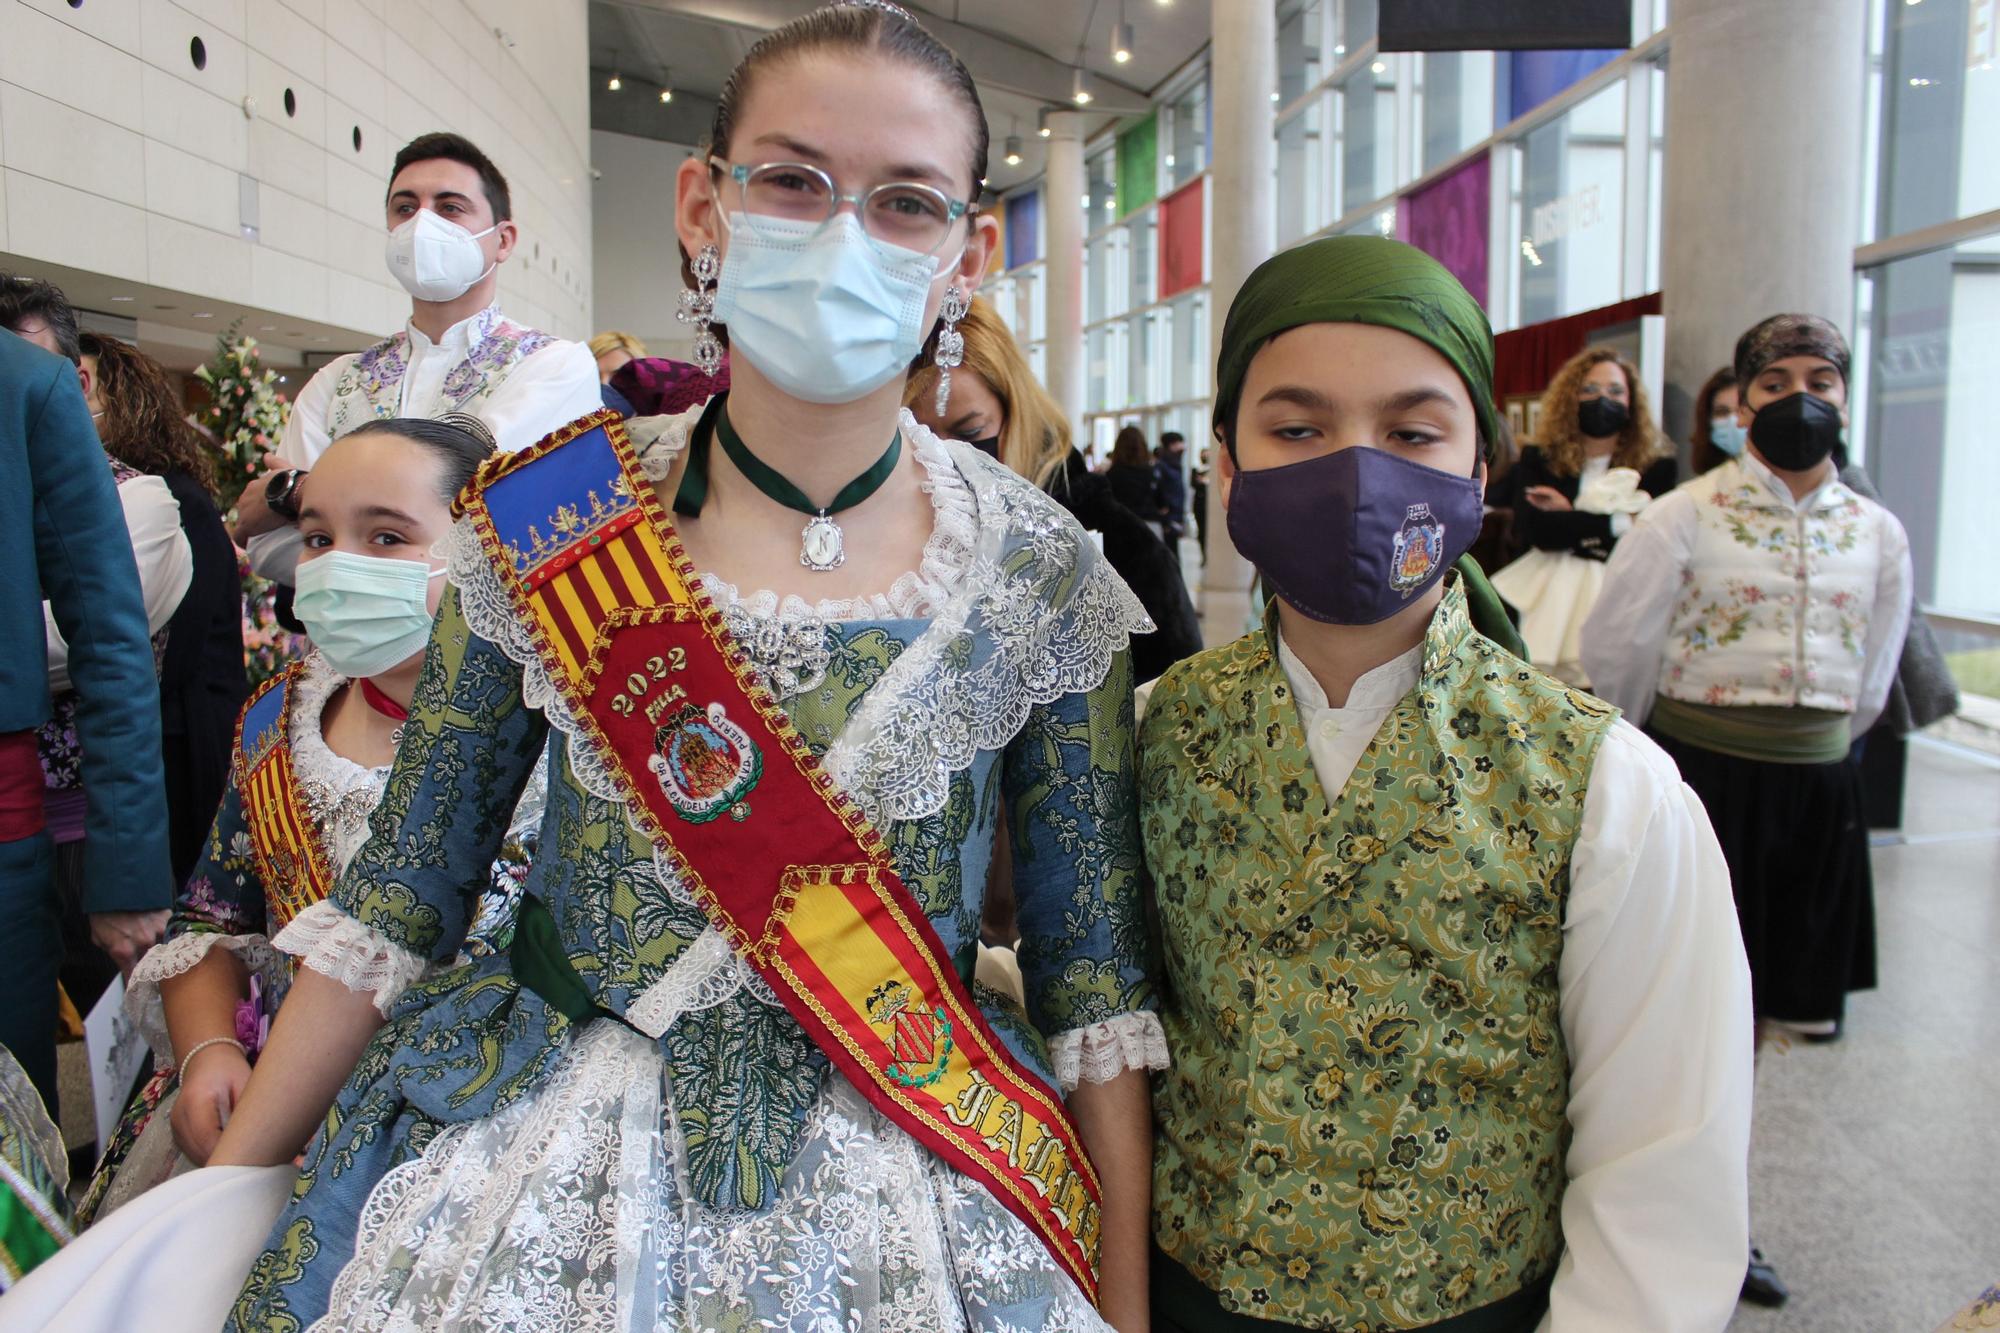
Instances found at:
x=918 y=1038
x=1418 y=549
x=705 y=763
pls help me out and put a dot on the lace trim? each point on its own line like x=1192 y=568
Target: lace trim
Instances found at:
x=169 y=959
x=1103 y=1051
x=335 y=945
x=339 y=793
x=705 y=974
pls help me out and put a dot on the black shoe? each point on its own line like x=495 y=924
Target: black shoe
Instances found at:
x=1760 y=1283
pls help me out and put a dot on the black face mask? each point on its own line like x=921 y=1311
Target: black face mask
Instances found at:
x=1796 y=433
x=1601 y=418
x=990 y=446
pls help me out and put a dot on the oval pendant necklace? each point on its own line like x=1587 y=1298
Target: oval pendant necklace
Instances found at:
x=822 y=545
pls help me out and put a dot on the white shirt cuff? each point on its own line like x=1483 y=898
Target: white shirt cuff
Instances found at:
x=1103 y=1051
x=335 y=945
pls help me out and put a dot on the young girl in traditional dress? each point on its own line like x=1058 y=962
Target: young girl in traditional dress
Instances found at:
x=730 y=1072
x=311 y=759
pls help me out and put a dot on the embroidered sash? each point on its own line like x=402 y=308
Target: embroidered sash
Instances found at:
x=291 y=859
x=786 y=866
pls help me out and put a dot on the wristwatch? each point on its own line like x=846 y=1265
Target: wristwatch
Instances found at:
x=281 y=493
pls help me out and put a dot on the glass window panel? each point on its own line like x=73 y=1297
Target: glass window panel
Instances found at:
x=1100 y=200
x=1457 y=103
x=1571 y=210
x=1940 y=156
x=1097 y=363
x=1301 y=172
x=1186 y=134
x=1933 y=343
x=1301 y=28
x=1190 y=326
x=1142 y=259
x=1367 y=135
x=1656 y=174
x=1357 y=23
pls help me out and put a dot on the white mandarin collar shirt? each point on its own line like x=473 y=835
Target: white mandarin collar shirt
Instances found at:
x=540 y=393
x=1654 y=993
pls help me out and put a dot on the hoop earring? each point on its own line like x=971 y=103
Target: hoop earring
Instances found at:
x=950 y=343
x=698 y=307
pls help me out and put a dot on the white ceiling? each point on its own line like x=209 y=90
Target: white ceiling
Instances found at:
x=1021 y=52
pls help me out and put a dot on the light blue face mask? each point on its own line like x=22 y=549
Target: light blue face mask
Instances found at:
x=365 y=614
x=827 y=317
x=1726 y=435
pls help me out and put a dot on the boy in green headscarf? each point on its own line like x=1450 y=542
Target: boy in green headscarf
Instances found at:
x=1458 y=1008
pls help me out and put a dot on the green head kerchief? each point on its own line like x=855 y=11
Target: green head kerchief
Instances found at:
x=1359 y=280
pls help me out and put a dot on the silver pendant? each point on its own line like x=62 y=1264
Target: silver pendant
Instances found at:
x=821 y=546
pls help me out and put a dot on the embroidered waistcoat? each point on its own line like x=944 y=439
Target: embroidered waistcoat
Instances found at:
x=370 y=387
x=1774 y=607
x=1365 y=1122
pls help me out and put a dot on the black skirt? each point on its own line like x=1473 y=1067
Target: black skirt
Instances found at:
x=1796 y=840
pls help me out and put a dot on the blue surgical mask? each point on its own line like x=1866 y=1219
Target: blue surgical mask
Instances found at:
x=365 y=614
x=826 y=314
x=1726 y=435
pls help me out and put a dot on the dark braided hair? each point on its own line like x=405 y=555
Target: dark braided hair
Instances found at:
x=460 y=441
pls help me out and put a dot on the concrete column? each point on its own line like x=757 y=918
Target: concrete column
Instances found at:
x=1242 y=75
x=1241 y=79
x=1763 y=176
x=1062 y=196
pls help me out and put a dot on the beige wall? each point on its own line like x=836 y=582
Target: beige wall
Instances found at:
x=119 y=158
x=638 y=272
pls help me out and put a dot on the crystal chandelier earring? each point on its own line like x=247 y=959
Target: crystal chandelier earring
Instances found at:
x=950 y=343
x=698 y=307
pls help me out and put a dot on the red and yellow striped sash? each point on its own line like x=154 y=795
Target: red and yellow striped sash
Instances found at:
x=786 y=866
x=290 y=858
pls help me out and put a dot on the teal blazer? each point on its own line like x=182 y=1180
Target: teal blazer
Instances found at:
x=63 y=538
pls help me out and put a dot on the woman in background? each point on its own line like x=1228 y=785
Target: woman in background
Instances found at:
x=1131 y=474
x=1716 y=436
x=202 y=682
x=1600 y=462
x=1000 y=408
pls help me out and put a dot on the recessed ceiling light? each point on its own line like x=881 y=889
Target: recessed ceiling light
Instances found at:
x=166 y=307
x=121 y=298
x=204 y=314
x=1379 y=68
x=267 y=328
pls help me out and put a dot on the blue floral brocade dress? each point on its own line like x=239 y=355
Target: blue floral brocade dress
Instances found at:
x=698 y=1164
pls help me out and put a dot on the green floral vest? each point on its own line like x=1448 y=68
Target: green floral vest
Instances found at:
x=1364 y=1126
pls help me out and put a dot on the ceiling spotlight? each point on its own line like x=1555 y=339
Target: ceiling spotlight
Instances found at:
x=666 y=96
x=1379 y=68
x=614 y=83
x=1079 y=87
x=1013 y=154
x=1121 y=43
x=1045 y=131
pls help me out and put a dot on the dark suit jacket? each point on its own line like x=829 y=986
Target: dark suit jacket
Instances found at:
x=1149 y=569
x=1587 y=535
x=63 y=538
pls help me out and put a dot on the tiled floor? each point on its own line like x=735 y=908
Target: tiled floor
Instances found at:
x=1875 y=1171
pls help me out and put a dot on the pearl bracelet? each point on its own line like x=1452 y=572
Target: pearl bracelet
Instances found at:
x=201 y=1046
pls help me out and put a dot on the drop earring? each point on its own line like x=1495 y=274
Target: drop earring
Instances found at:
x=698 y=308
x=950 y=343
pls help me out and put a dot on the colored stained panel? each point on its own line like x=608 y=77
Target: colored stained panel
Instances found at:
x=1180 y=240
x=1447 y=221
x=1024 y=228
x=1536 y=76
x=1139 y=165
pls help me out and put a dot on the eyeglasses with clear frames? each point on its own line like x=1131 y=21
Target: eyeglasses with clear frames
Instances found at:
x=907 y=215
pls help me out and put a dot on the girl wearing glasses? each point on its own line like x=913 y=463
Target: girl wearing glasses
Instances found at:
x=789 y=653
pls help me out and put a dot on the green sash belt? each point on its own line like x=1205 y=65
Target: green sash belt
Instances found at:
x=542 y=965
x=1765 y=734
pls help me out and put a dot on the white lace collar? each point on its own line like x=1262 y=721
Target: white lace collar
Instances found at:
x=913 y=596
x=340 y=793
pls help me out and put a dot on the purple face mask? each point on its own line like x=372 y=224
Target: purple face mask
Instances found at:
x=1351 y=538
